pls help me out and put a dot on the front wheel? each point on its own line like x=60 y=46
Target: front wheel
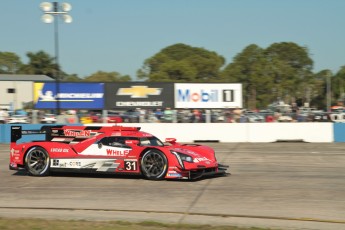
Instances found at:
x=154 y=165
x=37 y=162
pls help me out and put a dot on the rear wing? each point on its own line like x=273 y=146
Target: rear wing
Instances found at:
x=17 y=132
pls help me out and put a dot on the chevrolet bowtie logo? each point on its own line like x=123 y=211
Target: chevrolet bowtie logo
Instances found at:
x=139 y=91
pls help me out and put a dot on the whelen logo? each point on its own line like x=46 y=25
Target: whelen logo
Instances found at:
x=139 y=91
x=81 y=133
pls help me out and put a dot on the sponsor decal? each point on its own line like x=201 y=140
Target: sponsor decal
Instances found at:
x=205 y=95
x=63 y=165
x=66 y=163
x=102 y=165
x=81 y=133
x=74 y=164
x=116 y=134
x=174 y=175
x=112 y=152
x=198 y=159
x=139 y=95
x=146 y=134
x=55 y=162
x=131 y=159
x=208 y=95
x=14 y=152
x=139 y=103
x=69 y=95
x=202 y=96
x=59 y=150
x=139 y=91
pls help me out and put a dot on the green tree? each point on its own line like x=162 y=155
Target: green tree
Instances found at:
x=72 y=77
x=101 y=76
x=320 y=81
x=251 y=68
x=291 y=68
x=9 y=63
x=338 y=86
x=40 y=63
x=182 y=63
x=280 y=72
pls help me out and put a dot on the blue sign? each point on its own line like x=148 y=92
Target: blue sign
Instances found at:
x=69 y=95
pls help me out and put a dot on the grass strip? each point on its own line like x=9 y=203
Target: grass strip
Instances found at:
x=43 y=224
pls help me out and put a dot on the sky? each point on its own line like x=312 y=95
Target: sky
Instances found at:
x=118 y=35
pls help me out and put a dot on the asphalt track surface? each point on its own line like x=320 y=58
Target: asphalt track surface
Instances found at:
x=275 y=185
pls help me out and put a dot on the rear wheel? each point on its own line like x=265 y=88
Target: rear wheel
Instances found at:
x=37 y=162
x=154 y=165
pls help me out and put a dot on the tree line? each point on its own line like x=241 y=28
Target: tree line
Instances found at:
x=283 y=71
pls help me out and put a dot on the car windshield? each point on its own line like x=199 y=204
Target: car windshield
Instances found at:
x=150 y=141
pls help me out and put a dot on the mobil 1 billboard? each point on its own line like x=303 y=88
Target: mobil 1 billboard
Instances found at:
x=208 y=95
x=145 y=95
x=51 y=95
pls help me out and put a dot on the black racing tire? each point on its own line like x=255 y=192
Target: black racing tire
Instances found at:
x=154 y=165
x=37 y=162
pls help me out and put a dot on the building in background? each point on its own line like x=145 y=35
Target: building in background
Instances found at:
x=16 y=91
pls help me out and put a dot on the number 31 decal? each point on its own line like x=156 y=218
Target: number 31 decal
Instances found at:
x=130 y=165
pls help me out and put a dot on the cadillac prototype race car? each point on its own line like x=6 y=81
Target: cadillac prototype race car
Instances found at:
x=114 y=150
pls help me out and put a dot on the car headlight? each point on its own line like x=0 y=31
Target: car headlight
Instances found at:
x=182 y=157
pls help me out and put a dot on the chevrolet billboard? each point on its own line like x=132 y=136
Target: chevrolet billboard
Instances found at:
x=131 y=95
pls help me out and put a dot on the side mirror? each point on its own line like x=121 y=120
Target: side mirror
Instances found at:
x=170 y=140
x=131 y=142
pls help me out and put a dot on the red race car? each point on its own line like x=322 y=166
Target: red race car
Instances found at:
x=115 y=150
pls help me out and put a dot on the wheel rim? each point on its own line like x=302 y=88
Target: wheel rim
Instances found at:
x=154 y=164
x=37 y=161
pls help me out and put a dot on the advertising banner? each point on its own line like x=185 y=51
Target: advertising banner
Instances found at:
x=145 y=95
x=68 y=95
x=208 y=95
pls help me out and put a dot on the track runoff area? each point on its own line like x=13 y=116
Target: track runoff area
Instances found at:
x=273 y=185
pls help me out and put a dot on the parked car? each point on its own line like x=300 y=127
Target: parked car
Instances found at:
x=322 y=117
x=286 y=117
x=337 y=117
x=18 y=119
x=114 y=118
x=48 y=119
x=96 y=117
x=255 y=117
x=131 y=116
x=86 y=120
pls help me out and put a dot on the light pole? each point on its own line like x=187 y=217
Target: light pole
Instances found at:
x=329 y=92
x=52 y=10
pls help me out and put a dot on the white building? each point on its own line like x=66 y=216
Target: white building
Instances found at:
x=16 y=90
